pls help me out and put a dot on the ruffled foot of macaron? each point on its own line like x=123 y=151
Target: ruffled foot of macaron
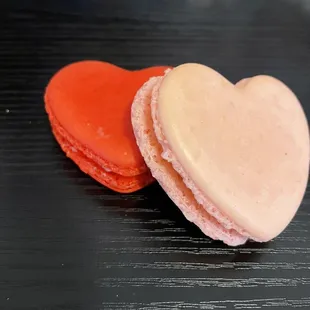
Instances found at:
x=233 y=158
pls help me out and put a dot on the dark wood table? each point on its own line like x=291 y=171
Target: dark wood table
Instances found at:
x=66 y=242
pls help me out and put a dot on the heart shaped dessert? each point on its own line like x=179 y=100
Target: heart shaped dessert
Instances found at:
x=233 y=158
x=89 y=104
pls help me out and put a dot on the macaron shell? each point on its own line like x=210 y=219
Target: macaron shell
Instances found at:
x=92 y=101
x=245 y=147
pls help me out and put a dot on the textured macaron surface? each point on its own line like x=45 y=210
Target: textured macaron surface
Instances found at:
x=245 y=146
x=92 y=101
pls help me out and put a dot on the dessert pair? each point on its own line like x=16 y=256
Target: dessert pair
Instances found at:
x=233 y=158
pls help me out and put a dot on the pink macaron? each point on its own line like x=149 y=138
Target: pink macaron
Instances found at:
x=233 y=158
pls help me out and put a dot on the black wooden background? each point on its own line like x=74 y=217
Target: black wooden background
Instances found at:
x=68 y=243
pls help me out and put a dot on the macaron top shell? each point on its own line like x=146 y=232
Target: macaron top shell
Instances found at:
x=92 y=101
x=246 y=146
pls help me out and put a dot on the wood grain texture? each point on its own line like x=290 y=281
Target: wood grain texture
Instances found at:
x=68 y=243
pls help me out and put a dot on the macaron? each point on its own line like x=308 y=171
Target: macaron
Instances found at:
x=233 y=158
x=88 y=105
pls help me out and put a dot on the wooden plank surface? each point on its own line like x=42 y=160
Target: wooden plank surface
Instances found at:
x=68 y=243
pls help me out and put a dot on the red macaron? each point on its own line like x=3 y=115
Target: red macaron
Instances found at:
x=89 y=104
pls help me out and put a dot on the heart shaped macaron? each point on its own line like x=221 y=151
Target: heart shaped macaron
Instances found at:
x=233 y=158
x=89 y=105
